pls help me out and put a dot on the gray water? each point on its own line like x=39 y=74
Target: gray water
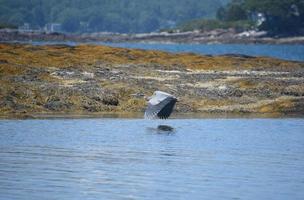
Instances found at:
x=131 y=159
x=293 y=52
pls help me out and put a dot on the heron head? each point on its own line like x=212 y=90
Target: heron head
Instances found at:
x=148 y=98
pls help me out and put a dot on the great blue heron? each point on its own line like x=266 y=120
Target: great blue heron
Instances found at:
x=160 y=105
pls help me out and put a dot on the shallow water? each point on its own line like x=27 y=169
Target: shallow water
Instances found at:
x=131 y=159
x=288 y=52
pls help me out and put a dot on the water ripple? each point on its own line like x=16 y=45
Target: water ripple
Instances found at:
x=215 y=160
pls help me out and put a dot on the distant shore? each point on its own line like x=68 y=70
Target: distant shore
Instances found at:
x=94 y=80
x=208 y=37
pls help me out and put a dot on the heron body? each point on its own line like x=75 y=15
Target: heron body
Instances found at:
x=160 y=105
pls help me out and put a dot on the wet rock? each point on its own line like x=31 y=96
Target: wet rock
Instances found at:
x=294 y=90
x=73 y=73
x=92 y=106
x=89 y=88
x=56 y=104
x=88 y=75
x=222 y=91
x=8 y=101
x=110 y=101
x=97 y=98
x=102 y=72
x=64 y=74
x=30 y=75
x=183 y=107
x=3 y=61
x=25 y=78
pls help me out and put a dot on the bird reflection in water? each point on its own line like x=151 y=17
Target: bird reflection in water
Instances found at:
x=162 y=129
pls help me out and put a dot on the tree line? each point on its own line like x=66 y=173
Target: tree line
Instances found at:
x=123 y=16
x=277 y=17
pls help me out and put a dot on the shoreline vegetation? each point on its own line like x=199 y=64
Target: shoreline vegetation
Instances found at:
x=90 y=80
x=199 y=22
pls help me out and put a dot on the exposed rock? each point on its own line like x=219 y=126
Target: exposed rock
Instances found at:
x=110 y=101
x=294 y=90
x=34 y=79
x=56 y=104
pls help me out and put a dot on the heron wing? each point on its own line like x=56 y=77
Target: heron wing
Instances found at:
x=167 y=110
x=161 y=110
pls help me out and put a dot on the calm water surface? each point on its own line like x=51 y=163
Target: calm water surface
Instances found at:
x=129 y=159
x=288 y=52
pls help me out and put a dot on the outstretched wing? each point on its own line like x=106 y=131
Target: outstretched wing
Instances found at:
x=161 y=110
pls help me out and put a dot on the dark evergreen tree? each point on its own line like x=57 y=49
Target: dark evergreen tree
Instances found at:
x=106 y=15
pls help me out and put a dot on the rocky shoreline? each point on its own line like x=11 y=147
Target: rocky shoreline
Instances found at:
x=96 y=80
x=208 y=37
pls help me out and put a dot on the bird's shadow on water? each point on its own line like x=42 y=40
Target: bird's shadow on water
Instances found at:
x=161 y=129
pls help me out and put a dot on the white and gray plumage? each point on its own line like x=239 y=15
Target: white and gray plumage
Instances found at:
x=160 y=105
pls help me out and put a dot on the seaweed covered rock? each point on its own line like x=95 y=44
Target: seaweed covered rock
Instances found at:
x=98 y=79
